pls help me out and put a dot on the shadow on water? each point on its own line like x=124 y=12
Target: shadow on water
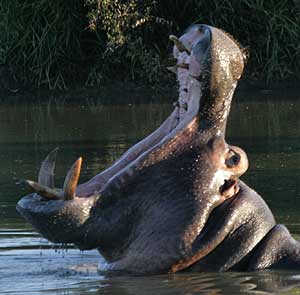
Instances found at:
x=267 y=128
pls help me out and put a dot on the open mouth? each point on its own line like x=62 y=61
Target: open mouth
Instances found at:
x=188 y=110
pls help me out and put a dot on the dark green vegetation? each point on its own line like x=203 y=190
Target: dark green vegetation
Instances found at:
x=58 y=43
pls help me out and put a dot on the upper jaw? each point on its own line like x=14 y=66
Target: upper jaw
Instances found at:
x=213 y=58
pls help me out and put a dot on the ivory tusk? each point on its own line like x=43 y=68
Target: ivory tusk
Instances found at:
x=46 y=173
x=43 y=191
x=71 y=180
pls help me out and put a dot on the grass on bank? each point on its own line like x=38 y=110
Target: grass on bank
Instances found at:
x=58 y=43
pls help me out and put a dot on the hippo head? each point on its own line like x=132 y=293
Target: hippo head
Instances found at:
x=146 y=217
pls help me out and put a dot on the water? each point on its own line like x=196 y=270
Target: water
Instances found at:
x=267 y=128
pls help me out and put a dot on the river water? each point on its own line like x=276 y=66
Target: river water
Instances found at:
x=267 y=128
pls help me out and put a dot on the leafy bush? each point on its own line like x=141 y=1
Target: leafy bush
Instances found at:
x=44 y=40
x=57 y=43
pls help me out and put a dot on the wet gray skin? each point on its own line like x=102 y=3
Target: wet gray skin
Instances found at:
x=173 y=201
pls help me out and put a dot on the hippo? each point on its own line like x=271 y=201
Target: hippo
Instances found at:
x=174 y=201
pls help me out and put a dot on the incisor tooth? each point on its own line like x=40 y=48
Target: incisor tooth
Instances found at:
x=180 y=46
x=172 y=69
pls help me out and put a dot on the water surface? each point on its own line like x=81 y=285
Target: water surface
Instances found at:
x=267 y=128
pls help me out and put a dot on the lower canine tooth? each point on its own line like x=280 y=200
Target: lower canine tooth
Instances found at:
x=43 y=191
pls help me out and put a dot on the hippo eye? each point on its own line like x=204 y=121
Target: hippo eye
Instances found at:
x=233 y=159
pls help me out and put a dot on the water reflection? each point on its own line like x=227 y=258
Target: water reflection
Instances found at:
x=267 y=129
x=266 y=282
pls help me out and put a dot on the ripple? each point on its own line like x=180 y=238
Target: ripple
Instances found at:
x=31 y=265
